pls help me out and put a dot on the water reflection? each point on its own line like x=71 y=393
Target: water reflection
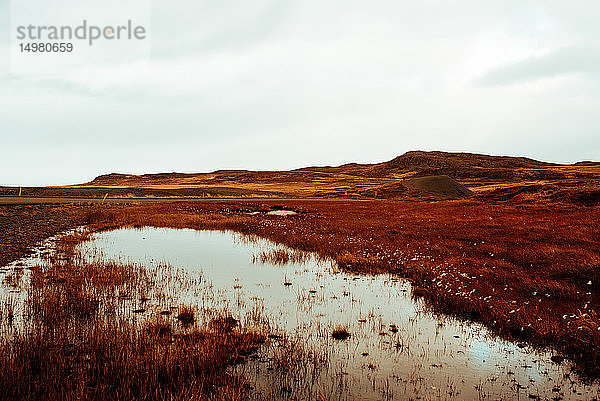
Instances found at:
x=396 y=349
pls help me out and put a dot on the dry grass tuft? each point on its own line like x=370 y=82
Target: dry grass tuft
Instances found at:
x=187 y=315
x=340 y=333
x=223 y=324
x=280 y=256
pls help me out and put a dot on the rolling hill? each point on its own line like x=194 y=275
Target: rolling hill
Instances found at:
x=413 y=175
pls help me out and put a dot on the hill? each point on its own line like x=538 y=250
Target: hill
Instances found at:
x=414 y=175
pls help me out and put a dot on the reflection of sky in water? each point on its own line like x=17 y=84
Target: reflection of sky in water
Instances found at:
x=427 y=355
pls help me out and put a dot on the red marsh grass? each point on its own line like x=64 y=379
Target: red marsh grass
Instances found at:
x=526 y=271
x=70 y=344
x=281 y=256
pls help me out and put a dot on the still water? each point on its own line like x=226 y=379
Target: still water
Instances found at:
x=397 y=348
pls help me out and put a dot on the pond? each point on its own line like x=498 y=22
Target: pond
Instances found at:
x=396 y=349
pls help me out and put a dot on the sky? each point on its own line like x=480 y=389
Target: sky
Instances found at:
x=273 y=84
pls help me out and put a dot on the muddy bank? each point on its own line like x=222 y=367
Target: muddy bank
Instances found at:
x=23 y=226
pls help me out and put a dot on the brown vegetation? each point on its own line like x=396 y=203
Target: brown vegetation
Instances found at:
x=525 y=271
x=340 y=333
x=521 y=254
x=413 y=175
x=70 y=343
x=281 y=256
x=186 y=315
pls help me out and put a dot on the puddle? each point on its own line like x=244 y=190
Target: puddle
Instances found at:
x=397 y=348
x=282 y=212
x=14 y=277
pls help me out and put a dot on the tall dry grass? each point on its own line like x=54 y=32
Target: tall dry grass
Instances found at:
x=527 y=271
x=281 y=256
x=71 y=342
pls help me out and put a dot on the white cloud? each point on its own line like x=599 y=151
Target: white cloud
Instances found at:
x=562 y=61
x=273 y=84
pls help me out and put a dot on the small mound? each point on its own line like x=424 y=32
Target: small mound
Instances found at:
x=440 y=186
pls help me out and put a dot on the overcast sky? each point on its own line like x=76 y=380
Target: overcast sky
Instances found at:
x=274 y=84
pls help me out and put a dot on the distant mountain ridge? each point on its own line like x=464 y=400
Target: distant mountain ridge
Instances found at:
x=413 y=175
x=417 y=162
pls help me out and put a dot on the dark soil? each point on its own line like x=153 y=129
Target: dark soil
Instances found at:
x=23 y=226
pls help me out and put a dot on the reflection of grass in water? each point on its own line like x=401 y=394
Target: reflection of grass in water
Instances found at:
x=13 y=278
x=7 y=310
x=79 y=342
x=281 y=256
x=293 y=368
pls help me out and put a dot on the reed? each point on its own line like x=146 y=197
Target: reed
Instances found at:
x=70 y=343
x=520 y=269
